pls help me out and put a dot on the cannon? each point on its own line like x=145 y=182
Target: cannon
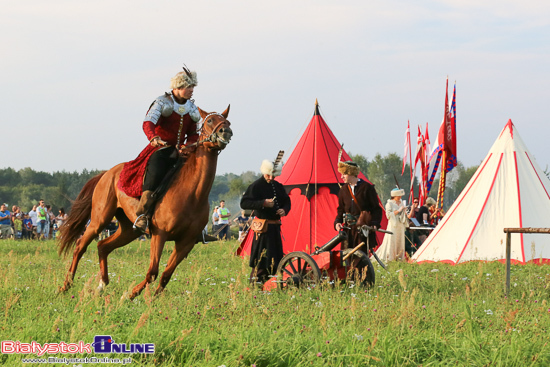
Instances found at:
x=299 y=269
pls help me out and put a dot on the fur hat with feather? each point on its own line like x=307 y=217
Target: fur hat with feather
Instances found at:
x=267 y=168
x=348 y=168
x=184 y=79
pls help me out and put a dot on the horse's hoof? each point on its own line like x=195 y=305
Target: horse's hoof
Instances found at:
x=64 y=289
x=159 y=291
x=101 y=286
x=126 y=297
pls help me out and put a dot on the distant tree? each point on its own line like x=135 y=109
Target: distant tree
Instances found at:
x=238 y=185
x=29 y=195
x=8 y=195
x=236 y=188
x=383 y=172
x=230 y=187
x=27 y=175
x=9 y=177
x=465 y=175
x=26 y=186
x=456 y=181
x=361 y=161
x=249 y=176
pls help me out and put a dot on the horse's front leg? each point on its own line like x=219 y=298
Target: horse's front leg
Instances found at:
x=124 y=235
x=157 y=245
x=181 y=250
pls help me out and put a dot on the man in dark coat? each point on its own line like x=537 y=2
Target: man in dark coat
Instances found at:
x=358 y=204
x=269 y=201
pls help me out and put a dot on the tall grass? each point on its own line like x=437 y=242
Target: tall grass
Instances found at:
x=429 y=315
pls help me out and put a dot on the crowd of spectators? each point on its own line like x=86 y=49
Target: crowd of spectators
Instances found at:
x=39 y=223
x=221 y=222
x=427 y=217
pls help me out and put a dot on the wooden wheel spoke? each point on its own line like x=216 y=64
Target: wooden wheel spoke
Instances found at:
x=288 y=272
x=291 y=264
x=310 y=272
x=297 y=266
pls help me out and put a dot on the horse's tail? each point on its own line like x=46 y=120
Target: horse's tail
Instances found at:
x=78 y=217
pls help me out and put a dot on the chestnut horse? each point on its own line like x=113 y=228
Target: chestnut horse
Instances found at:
x=179 y=216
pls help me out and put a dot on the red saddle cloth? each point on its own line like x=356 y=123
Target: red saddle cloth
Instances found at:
x=130 y=181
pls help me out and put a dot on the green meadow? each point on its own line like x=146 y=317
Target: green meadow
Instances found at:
x=415 y=315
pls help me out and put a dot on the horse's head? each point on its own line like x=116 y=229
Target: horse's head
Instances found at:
x=215 y=130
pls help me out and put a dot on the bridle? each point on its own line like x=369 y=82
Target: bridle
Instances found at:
x=203 y=137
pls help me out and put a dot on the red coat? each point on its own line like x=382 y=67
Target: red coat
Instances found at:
x=167 y=128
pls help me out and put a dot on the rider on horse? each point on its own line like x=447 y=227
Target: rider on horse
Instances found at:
x=170 y=124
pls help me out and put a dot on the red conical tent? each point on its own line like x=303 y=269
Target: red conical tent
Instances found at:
x=312 y=180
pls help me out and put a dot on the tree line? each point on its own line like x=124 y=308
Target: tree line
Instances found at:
x=385 y=173
x=25 y=187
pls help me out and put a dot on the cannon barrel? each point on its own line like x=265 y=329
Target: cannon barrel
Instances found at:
x=332 y=243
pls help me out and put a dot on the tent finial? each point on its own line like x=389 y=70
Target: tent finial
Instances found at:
x=316 y=108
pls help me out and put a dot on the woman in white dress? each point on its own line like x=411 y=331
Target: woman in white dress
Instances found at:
x=393 y=247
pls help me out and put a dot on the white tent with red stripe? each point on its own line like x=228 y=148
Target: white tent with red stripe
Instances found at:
x=508 y=190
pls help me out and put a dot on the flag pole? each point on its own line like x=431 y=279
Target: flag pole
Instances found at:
x=411 y=192
x=443 y=166
x=442 y=178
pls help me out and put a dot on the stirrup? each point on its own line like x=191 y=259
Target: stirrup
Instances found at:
x=146 y=223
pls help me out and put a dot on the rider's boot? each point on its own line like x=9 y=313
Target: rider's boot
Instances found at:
x=142 y=221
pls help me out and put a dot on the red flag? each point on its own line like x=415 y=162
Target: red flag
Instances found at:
x=427 y=145
x=450 y=143
x=445 y=133
x=419 y=146
x=407 y=147
x=425 y=163
x=445 y=141
x=421 y=156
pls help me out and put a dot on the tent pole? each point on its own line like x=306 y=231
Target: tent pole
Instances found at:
x=508 y=255
x=509 y=232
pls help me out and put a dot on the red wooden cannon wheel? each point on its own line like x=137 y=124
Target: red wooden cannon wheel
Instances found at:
x=298 y=269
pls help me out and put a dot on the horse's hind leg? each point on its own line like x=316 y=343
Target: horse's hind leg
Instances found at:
x=181 y=250
x=157 y=245
x=124 y=235
x=92 y=231
x=102 y=214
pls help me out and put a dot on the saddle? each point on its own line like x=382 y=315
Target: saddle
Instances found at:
x=161 y=190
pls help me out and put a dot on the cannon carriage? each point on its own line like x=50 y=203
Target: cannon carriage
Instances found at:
x=299 y=269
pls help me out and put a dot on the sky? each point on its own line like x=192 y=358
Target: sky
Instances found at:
x=77 y=77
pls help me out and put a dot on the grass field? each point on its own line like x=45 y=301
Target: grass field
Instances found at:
x=429 y=315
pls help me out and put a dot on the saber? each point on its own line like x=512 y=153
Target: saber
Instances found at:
x=365 y=230
x=380 y=261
